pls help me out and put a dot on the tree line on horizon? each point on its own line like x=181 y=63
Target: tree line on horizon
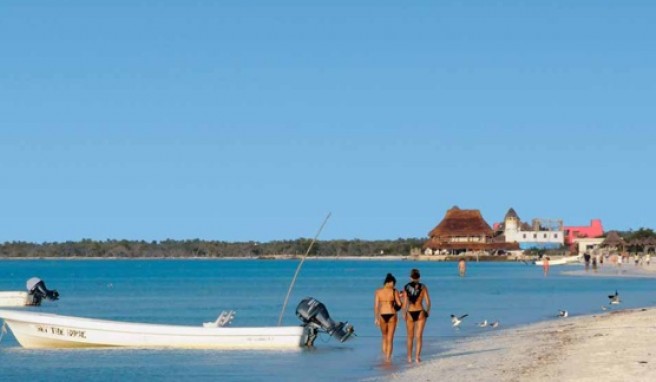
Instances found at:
x=207 y=248
x=640 y=233
x=218 y=249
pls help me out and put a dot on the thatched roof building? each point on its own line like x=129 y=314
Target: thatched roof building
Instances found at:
x=613 y=239
x=647 y=244
x=459 y=222
x=465 y=230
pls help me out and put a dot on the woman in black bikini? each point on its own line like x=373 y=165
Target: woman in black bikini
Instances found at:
x=415 y=295
x=387 y=302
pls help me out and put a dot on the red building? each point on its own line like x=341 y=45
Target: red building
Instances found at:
x=595 y=229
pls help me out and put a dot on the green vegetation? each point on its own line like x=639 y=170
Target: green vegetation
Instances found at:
x=640 y=234
x=207 y=249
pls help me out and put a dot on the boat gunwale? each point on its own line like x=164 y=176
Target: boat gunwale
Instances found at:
x=84 y=323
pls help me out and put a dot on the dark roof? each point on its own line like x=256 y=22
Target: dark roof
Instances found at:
x=640 y=242
x=511 y=214
x=526 y=227
x=459 y=222
x=649 y=241
x=636 y=242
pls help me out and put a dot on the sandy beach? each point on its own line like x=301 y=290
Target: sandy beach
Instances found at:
x=615 y=270
x=618 y=345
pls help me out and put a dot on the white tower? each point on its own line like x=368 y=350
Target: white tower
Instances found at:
x=511 y=223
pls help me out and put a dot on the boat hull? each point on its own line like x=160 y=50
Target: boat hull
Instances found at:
x=13 y=299
x=561 y=261
x=42 y=330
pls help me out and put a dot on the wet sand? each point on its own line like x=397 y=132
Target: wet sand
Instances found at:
x=615 y=346
x=615 y=270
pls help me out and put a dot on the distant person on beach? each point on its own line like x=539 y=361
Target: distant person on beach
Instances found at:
x=417 y=305
x=545 y=265
x=647 y=258
x=462 y=267
x=387 y=301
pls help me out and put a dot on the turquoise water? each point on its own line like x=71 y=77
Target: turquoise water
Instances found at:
x=189 y=292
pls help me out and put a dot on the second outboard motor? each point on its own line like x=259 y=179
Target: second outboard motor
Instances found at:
x=315 y=317
x=37 y=291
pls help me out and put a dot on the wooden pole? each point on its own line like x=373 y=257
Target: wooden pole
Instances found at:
x=298 y=269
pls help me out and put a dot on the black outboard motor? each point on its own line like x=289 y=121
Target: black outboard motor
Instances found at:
x=37 y=291
x=315 y=317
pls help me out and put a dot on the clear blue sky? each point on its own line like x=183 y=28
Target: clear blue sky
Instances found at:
x=251 y=120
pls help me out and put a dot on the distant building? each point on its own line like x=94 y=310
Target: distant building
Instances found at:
x=586 y=244
x=594 y=230
x=463 y=231
x=541 y=233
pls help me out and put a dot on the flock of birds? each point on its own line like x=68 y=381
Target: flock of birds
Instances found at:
x=614 y=299
x=456 y=321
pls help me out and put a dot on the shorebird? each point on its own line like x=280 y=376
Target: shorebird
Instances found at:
x=614 y=298
x=456 y=321
x=563 y=313
x=483 y=324
x=494 y=324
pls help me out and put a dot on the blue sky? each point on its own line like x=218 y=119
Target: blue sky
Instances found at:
x=251 y=120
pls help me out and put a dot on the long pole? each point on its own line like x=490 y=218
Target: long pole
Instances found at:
x=298 y=268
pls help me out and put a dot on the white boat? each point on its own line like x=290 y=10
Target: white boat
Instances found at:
x=35 y=330
x=560 y=261
x=13 y=299
x=36 y=292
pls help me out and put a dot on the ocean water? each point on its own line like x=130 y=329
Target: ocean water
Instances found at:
x=189 y=292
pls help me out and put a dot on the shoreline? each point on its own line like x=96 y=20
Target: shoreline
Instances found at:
x=614 y=270
x=613 y=346
x=276 y=257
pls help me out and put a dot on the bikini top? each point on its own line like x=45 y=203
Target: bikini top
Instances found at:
x=413 y=291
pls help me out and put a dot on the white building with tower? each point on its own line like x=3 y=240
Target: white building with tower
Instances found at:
x=541 y=233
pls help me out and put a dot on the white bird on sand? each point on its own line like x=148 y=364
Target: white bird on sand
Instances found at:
x=456 y=321
x=563 y=313
x=494 y=324
x=614 y=298
x=483 y=324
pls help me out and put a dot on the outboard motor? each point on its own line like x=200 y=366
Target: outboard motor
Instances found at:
x=37 y=291
x=315 y=317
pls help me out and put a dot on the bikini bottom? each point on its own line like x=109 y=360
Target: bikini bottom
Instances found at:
x=387 y=317
x=415 y=315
